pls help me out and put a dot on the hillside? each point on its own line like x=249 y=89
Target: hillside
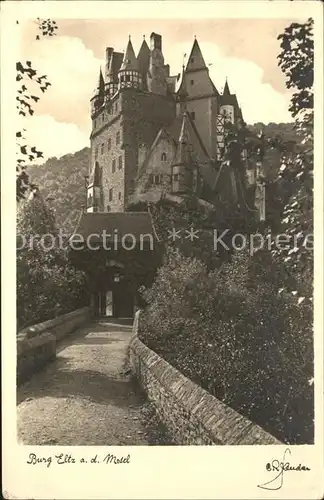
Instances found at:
x=63 y=178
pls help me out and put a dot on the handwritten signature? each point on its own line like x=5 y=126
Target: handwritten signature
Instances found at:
x=280 y=467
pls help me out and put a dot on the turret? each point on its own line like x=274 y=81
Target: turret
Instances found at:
x=182 y=95
x=228 y=104
x=156 y=77
x=184 y=167
x=94 y=189
x=143 y=60
x=129 y=75
x=98 y=95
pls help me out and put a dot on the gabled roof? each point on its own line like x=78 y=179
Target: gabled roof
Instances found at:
x=175 y=128
x=185 y=153
x=196 y=60
x=129 y=62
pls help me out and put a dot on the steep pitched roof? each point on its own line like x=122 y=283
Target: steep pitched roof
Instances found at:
x=130 y=62
x=188 y=134
x=184 y=153
x=100 y=87
x=94 y=178
x=143 y=58
x=196 y=60
x=227 y=97
x=183 y=91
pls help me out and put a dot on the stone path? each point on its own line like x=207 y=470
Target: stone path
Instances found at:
x=86 y=396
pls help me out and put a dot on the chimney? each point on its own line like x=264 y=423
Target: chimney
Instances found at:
x=156 y=41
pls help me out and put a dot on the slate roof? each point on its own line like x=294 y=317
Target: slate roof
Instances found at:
x=130 y=62
x=135 y=223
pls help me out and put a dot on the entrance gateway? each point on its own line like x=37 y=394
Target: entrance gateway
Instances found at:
x=115 y=276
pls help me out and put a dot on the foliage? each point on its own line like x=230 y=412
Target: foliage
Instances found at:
x=229 y=331
x=27 y=76
x=296 y=60
x=47 y=285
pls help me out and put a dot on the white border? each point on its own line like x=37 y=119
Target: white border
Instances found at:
x=154 y=472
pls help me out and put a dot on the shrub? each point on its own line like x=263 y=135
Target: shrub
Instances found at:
x=231 y=332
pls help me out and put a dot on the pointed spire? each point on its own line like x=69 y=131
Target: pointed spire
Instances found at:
x=226 y=90
x=143 y=57
x=184 y=150
x=130 y=61
x=196 y=60
x=100 y=87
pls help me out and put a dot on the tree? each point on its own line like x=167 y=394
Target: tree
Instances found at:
x=47 y=285
x=25 y=106
x=296 y=60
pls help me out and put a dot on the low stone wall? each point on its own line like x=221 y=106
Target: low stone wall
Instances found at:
x=191 y=414
x=36 y=345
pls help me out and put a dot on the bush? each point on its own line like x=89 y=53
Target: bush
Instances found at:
x=231 y=332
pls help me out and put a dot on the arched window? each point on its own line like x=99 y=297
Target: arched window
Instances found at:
x=163 y=157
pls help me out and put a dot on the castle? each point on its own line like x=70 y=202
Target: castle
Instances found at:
x=150 y=140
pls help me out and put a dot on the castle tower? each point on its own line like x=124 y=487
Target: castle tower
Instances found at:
x=157 y=73
x=129 y=75
x=202 y=98
x=229 y=106
x=184 y=167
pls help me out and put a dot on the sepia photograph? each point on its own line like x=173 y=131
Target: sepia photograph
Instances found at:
x=165 y=235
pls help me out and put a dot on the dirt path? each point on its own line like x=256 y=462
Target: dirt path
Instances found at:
x=86 y=396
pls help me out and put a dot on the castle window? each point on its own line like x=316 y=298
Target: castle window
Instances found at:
x=192 y=82
x=102 y=149
x=118 y=138
x=176 y=177
x=193 y=115
x=103 y=117
x=109 y=144
x=192 y=59
x=111 y=194
x=157 y=179
x=128 y=78
x=163 y=157
x=120 y=162
x=108 y=208
x=116 y=107
x=119 y=195
x=113 y=166
x=122 y=78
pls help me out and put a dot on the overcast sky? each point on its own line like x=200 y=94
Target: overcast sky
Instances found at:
x=245 y=51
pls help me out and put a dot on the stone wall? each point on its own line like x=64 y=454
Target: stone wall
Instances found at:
x=36 y=345
x=191 y=414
